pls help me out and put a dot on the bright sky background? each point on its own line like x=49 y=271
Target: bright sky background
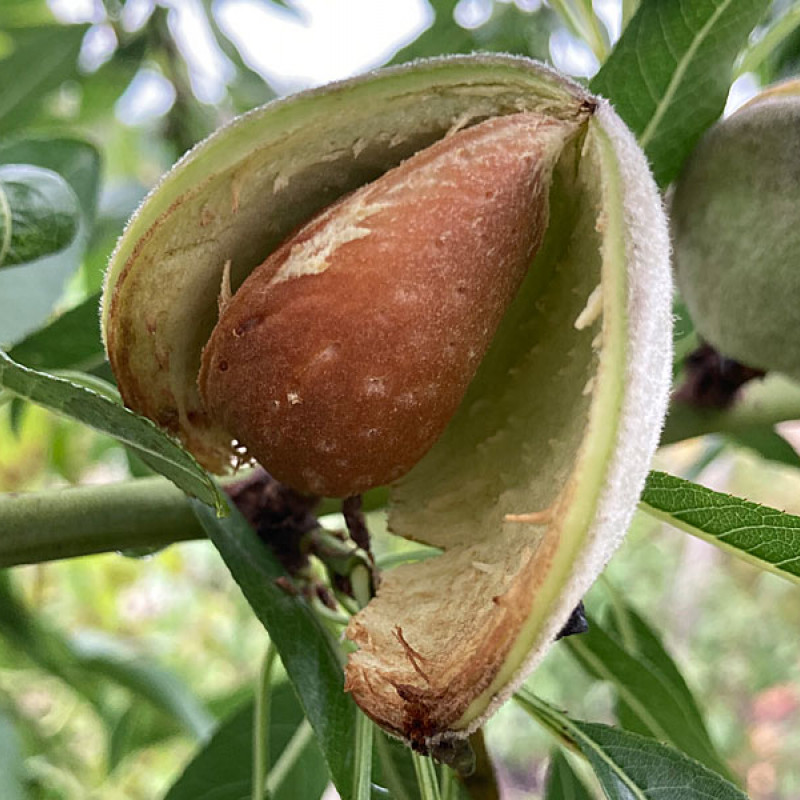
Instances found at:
x=325 y=40
x=319 y=41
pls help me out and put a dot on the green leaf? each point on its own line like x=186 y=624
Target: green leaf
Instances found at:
x=39 y=213
x=12 y=768
x=393 y=768
x=42 y=59
x=27 y=296
x=766 y=537
x=668 y=76
x=632 y=766
x=41 y=643
x=764 y=48
x=427 y=778
x=628 y=626
x=85 y=662
x=90 y=666
x=24 y=13
x=642 y=641
x=143 y=436
x=563 y=782
x=139 y=725
x=146 y=680
x=629 y=8
x=70 y=341
x=222 y=768
x=509 y=29
x=311 y=659
x=629 y=766
x=684 y=336
x=768 y=443
x=651 y=701
x=444 y=35
x=101 y=89
x=364 y=736
x=581 y=20
x=76 y=160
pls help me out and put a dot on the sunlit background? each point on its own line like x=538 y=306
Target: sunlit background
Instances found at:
x=732 y=628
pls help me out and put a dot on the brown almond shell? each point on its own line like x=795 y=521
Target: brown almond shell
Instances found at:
x=342 y=358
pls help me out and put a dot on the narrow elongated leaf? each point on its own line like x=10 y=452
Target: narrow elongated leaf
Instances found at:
x=42 y=59
x=27 y=296
x=630 y=766
x=146 y=680
x=646 y=645
x=70 y=341
x=24 y=13
x=76 y=160
x=222 y=768
x=563 y=782
x=141 y=725
x=249 y=88
x=12 y=769
x=39 y=213
x=651 y=703
x=364 y=736
x=444 y=35
x=509 y=29
x=144 y=437
x=628 y=10
x=311 y=659
x=30 y=635
x=394 y=768
x=764 y=536
x=768 y=443
x=670 y=72
x=761 y=52
x=136 y=727
x=88 y=665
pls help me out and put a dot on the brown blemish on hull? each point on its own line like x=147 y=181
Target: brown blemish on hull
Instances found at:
x=419 y=689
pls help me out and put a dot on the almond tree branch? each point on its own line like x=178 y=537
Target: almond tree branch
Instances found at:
x=79 y=521
x=85 y=520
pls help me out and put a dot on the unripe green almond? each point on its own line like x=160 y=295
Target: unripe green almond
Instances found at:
x=736 y=233
x=534 y=458
x=342 y=358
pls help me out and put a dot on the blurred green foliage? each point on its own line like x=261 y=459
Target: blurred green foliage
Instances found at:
x=114 y=670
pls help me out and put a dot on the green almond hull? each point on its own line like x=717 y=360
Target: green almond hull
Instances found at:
x=559 y=424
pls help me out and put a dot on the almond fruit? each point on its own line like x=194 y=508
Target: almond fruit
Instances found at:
x=452 y=277
x=736 y=235
x=342 y=358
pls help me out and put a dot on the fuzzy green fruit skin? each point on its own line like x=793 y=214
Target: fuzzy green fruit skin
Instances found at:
x=736 y=235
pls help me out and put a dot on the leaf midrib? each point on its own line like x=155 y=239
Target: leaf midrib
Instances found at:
x=677 y=76
x=694 y=530
x=622 y=690
x=580 y=736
